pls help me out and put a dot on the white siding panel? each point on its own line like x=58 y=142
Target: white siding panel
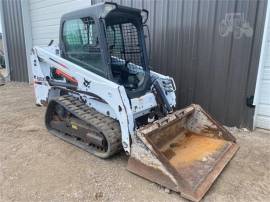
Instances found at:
x=43 y=42
x=265 y=92
x=267 y=59
x=264 y=110
x=267 y=53
x=263 y=122
x=262 y=116
x=59 y=8
x=266 y=73
x=40 y=29
x=36 y=4
x=45 y=18
x=45 y=23
x=44 y=35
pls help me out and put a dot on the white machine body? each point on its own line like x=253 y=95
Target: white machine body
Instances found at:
x=116 y=103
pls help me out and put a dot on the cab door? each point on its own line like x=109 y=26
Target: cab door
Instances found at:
x=81 y=44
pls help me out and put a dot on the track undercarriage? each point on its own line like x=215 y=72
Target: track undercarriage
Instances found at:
x=75 y=122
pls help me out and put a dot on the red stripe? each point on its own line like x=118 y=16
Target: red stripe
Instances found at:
x=67 y=76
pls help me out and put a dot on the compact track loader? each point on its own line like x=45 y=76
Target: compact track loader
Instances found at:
x=102 y=97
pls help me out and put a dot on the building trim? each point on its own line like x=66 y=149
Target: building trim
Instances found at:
x=261 y=64
x=27 y=28
x=7 y=75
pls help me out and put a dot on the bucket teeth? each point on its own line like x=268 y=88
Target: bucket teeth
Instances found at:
x=184 y=151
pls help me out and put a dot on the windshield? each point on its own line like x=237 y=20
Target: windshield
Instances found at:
x=126 y=54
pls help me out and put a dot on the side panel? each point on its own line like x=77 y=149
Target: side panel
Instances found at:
x=113 y=94
x=41 y=87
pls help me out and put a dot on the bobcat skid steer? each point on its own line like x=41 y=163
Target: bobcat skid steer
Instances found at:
x=102 y=97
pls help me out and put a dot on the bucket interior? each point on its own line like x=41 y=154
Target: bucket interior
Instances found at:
x=191 y=146
x=192 y=155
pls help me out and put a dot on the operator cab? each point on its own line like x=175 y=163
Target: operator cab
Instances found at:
x=108 y=39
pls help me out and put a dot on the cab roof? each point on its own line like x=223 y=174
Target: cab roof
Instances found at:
x=102 y=10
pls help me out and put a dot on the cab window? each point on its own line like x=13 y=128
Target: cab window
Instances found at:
x=81 y=43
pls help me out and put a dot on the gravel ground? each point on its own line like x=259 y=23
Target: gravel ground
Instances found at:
x=36 y=166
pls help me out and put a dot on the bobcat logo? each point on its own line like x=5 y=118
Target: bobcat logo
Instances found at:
x=86 y=83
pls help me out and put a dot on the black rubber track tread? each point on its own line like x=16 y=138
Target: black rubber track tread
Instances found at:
x=109 y=127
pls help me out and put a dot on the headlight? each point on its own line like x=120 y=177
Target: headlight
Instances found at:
x=168 y=85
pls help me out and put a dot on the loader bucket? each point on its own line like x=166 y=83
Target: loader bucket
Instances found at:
x=184 y=151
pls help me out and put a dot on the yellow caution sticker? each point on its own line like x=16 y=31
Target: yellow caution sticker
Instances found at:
x=74 y=127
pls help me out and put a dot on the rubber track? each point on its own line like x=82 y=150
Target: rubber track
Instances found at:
x=109 y=127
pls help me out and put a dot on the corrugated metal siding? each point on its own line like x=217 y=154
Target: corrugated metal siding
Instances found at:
x=45 y=18
x=15 y=40
x=211 y=69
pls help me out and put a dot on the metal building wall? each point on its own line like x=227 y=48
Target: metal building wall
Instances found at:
x=13 y=23
x=214 y=62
